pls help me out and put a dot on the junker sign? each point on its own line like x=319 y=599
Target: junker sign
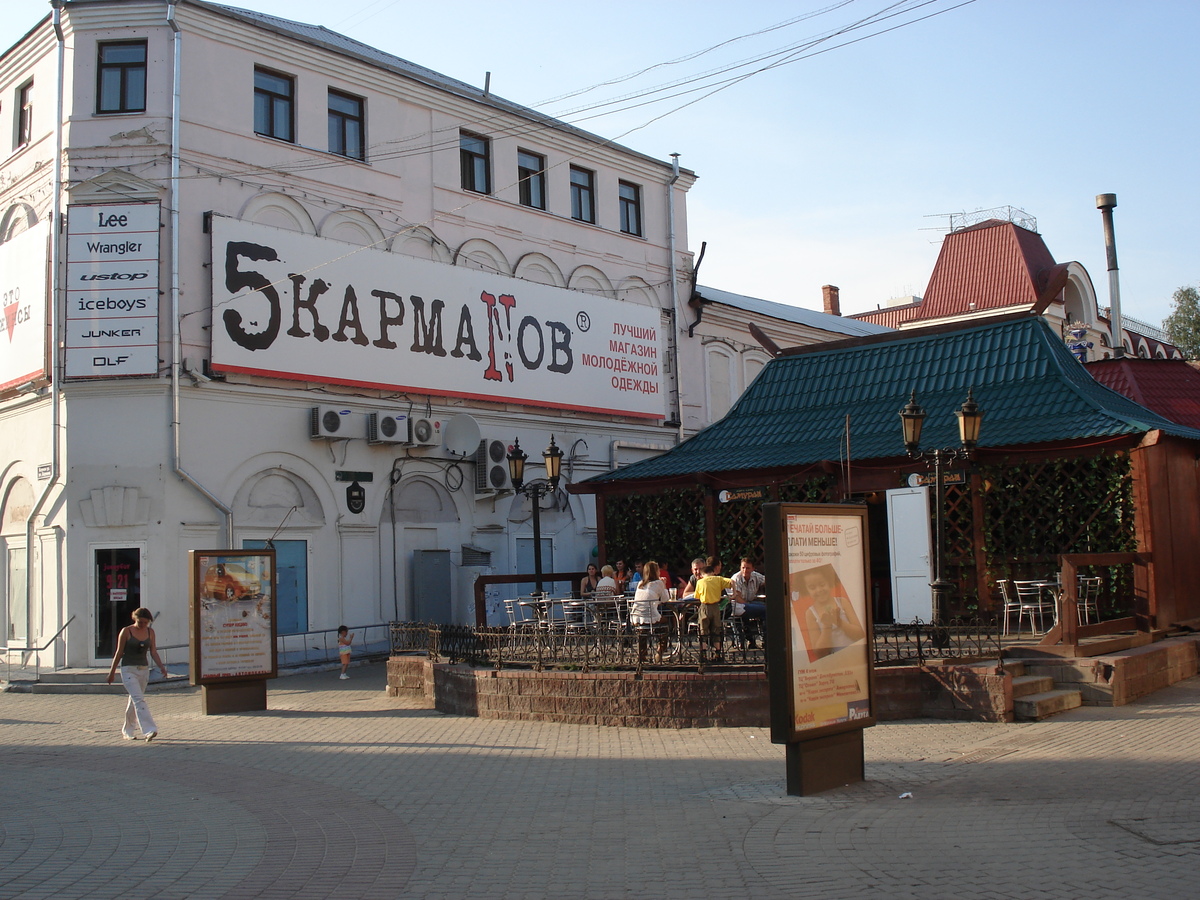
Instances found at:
x=296 y=306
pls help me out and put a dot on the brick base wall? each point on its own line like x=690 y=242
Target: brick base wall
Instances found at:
x=681 y=699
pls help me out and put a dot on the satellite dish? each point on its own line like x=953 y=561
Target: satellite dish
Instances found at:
x=462 y=435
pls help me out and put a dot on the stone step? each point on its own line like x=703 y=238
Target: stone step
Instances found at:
x=174 y=682
x=1036 y=707
x=1024 y=685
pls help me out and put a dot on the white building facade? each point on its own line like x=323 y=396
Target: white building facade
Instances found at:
x=283 y=287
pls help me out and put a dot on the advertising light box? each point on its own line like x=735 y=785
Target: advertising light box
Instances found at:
x=300 y=307
x=23 y=307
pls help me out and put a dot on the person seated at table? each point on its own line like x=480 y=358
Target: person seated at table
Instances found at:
x=665 y=576
x=607 y=583
x=710 y=591
x=749 y=584
x=636 y=577
x=621 y=576
x=643 y=608
x=587 y=586
x=689 y=588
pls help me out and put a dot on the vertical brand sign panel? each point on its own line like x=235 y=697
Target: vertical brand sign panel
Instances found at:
x=112 y=290
x=23 y=307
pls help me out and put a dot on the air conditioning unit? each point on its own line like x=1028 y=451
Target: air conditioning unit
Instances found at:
x=491 y=468
x=425 y=432
x=387 y=427
x=329 y=422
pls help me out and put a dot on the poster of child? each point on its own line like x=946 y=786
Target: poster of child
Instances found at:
x=823 y=612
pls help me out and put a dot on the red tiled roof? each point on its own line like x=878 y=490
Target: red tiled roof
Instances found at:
x=892 y=316
x=1169 y=387
x=990 y=266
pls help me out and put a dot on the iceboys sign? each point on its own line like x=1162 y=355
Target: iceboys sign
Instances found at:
x=301 y=307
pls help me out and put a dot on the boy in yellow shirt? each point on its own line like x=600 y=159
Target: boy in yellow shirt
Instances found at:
x=710 y=591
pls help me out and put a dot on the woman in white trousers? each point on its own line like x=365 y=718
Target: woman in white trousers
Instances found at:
x=135 y=648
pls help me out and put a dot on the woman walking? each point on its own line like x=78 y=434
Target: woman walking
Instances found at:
x=134 y=644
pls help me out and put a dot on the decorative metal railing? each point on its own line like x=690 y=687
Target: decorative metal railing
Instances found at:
x=917 y=641
x=624 y=647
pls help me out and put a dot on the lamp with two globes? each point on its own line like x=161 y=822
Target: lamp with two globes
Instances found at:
x=535 y=491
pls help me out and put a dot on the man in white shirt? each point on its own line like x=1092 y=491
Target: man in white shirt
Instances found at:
x=749 y=584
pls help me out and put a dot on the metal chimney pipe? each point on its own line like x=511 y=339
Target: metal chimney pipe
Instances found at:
x=1105 y=203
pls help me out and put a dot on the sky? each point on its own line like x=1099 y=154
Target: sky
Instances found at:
x=839 y=163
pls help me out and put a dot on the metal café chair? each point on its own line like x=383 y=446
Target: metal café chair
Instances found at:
x=1088 y=607
x=1012 y=604
x=1031 y=595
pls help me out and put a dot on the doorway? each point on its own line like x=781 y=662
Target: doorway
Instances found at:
x=291 y=583
x=910 y=546
x=117 y=575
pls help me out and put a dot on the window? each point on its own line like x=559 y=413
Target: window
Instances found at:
x=273 y=97
x=24 y=114
x=583 y=192
x=630 y=199
x=474 y=156
x=121 y=77
x=346 y=121
x=532 y=179
x=531 y=175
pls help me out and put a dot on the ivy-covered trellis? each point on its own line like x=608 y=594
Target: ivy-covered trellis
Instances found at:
x=1009 y=520
x=670 y=526
x=1028 y=514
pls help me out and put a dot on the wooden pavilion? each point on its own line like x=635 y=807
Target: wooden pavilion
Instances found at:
x=1064 y=466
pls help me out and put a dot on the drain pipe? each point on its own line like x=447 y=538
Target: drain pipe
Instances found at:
x=675 y=312
x=55 y=288
x=1105 y=203
x=176 y=343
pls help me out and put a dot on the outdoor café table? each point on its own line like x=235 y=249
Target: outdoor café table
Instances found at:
x=543 y=609
x=1052 y=588
x=604 y=608
x=681 y=611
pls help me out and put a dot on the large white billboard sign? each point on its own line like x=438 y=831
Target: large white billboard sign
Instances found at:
x=294 y=306
x=23 y=307
x=112 y=290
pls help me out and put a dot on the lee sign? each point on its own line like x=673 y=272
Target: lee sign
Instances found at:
x=301 y=307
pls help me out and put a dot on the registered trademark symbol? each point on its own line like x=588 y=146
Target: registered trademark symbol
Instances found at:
x=583 y=321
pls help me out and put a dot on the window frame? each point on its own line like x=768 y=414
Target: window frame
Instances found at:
x=123 y=71
x=273 y=97
x=23 y=120
x=341 y=119
x=531 y=181
x=581 y=192
x=630 y=208
x=475 y=166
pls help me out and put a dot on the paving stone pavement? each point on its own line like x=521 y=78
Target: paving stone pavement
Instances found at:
x=337 y=791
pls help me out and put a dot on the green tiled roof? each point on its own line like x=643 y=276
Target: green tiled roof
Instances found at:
x=1029 y=386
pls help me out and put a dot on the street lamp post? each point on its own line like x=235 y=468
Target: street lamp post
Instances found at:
x=535 y=491
x=970 y=418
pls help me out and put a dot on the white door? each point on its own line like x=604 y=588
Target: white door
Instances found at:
x=910 y=544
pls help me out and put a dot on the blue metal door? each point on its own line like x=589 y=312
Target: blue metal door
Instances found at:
x=291 y=574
